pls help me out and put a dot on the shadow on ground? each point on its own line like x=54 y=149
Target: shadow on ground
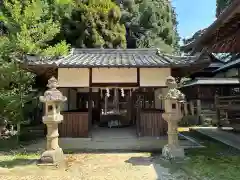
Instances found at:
x=11 y=163
x=140 y=161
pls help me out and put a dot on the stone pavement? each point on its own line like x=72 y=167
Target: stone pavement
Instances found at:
x=226 y=137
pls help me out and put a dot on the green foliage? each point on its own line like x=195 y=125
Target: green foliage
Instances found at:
x=95 y=23
x=221 y=5
x=216 y=161
x=30 y=27
x=60 y=8
x=150 y=23
x=15 y=88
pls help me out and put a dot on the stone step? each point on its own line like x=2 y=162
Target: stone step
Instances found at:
x=121 y=144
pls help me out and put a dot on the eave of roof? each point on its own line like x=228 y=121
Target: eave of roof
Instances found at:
x=223 y=17
x=211 y=81
x=188 y=47
x=215 y=65
x=87 y=58
x=228 y=65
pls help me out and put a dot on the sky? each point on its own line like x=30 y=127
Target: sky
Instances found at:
x=193 y=15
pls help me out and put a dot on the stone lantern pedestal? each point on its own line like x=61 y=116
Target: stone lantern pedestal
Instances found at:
x=173 y=115
x=53 y=99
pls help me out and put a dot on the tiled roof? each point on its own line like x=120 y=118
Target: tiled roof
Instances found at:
x=215 y=65
x=214 y=33
x=117 y=58
x=228 y=65
x=211 y=81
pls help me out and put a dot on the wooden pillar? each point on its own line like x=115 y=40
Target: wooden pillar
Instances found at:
x=138 y=77
x=129 y=106
x=90 y=103
x=191 y=104
x=217 y=111
x=199 y=108
x=185 y=108
x=116 y=99
x=105 y=102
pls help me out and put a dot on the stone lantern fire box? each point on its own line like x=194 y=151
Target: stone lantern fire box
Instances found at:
x=52 y=99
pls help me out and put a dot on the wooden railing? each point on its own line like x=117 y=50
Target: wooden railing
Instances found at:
x=228 y=110
x=203 y=110
x=151 y=123
x=228 y=102
x=192 y=107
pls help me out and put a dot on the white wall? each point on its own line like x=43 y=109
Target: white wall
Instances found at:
x=79 y=77
x=154 y=76
x=73 y=77
x=114 y=75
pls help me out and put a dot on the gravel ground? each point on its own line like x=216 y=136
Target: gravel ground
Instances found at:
x=120 y=166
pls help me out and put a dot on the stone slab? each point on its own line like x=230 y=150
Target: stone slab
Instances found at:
x=227 y=137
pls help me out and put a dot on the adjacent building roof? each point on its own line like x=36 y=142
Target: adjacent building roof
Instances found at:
x=212 y=81
x=228 y=65
x=117 y=58
x=187 y=47
x=221 y=35
x=215 y=65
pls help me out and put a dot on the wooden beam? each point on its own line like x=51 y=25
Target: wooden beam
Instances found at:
x=90 y=77
x=114 y=84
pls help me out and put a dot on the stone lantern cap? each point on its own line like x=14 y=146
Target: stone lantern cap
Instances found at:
x=52 y=94
x=173 y=92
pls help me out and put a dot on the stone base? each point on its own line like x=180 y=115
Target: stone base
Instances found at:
x=52 y=157
x=172 y=152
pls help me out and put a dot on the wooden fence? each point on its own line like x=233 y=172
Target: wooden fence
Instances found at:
x=75 y=124
x=152 y=124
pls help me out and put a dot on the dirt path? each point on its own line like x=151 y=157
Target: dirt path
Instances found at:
x=121 y=166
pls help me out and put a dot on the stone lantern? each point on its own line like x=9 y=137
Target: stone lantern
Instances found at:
x=53 y=99
x=173 y=115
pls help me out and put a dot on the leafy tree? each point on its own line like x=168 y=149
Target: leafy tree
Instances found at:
x=95 y=23
x=150 y=23
x=30 y=27
x=60 y=8
x=15 y=92
x=221 y=5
